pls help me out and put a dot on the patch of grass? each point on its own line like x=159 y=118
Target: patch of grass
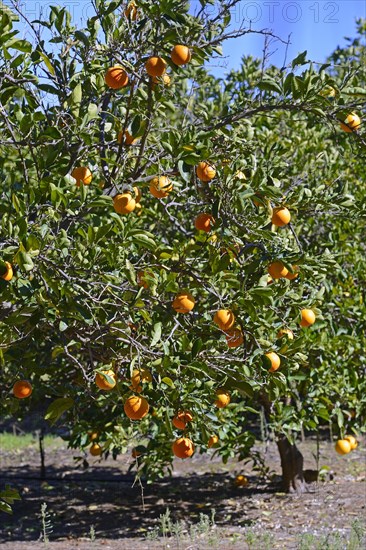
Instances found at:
x=355 y=540
x=11 y=442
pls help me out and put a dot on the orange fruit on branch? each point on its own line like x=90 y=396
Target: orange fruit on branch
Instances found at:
x=351 y=123
x=93 y=436
x=160 y=187
x=295 y=274
x=183 y=303
x=181 y=419
x=204 y=222
x=138 y=376
x=131 y=11
x=136 y=407
x=180 y=55
x=212 y=441
x=7 y=271
x=222 y=398
x=124 y=203
x=155 y=66
x=95 y=449
x=22 y=389
x=234 y=337
x=281 y=216
x=307 y=317
x=82 y=174
x=116 y=77
x=183 y=447
x=224 y=319
x=205 y=171
x=343 y=446
x=353 y=441
x=103 y=383
x=125 y=138
x=285 y=332
x=241 y=481
x=277 y=270
x=274 y=360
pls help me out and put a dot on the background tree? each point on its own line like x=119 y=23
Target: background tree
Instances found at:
x=87 y=317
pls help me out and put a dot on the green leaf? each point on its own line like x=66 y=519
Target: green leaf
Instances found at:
x=57 y=409
x=25 y=261
x=21 y=45
x=168 y=381
x=300 y=59
x=47 y=62
x=156 y=335
x=269 y=85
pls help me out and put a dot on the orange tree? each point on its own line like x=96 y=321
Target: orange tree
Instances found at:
x=175 y=246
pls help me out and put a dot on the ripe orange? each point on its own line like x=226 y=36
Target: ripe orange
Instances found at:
x=351 y=123
x=241 y=481
x=285 y=332
x=204 y=222
x=183 y=447
x=102 y=383
x=281 y=216
x=8 y=272
x=180 y=55
x=274 y=360
x=131 y=11
x=160 y=187
x=181 y=419
x=223 y=398
x=155 y=66
x=353 y=441
x=343 y=446
x=277 y=270
x=116 y=77
x=22 y=389
x=124 y=203
x=95 y=449
x=224 y=319
x=307 y=318
x=138 y=376
x=295 y=274
x=205 y=171
x=183 y=302
x=234 y=337
x=82 y=174
x=93 y=436
x=136 y=407
x=126 y=138
x=213 y=440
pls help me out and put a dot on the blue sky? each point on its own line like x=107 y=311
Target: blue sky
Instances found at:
x=315 y=25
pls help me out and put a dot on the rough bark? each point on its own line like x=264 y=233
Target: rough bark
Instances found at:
x=292 y=463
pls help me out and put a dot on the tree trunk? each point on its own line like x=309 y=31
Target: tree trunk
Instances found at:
x=292 y=463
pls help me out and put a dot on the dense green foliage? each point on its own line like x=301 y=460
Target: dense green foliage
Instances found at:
x=74 y=305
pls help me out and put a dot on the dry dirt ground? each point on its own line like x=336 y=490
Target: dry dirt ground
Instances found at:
x=101 y=508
